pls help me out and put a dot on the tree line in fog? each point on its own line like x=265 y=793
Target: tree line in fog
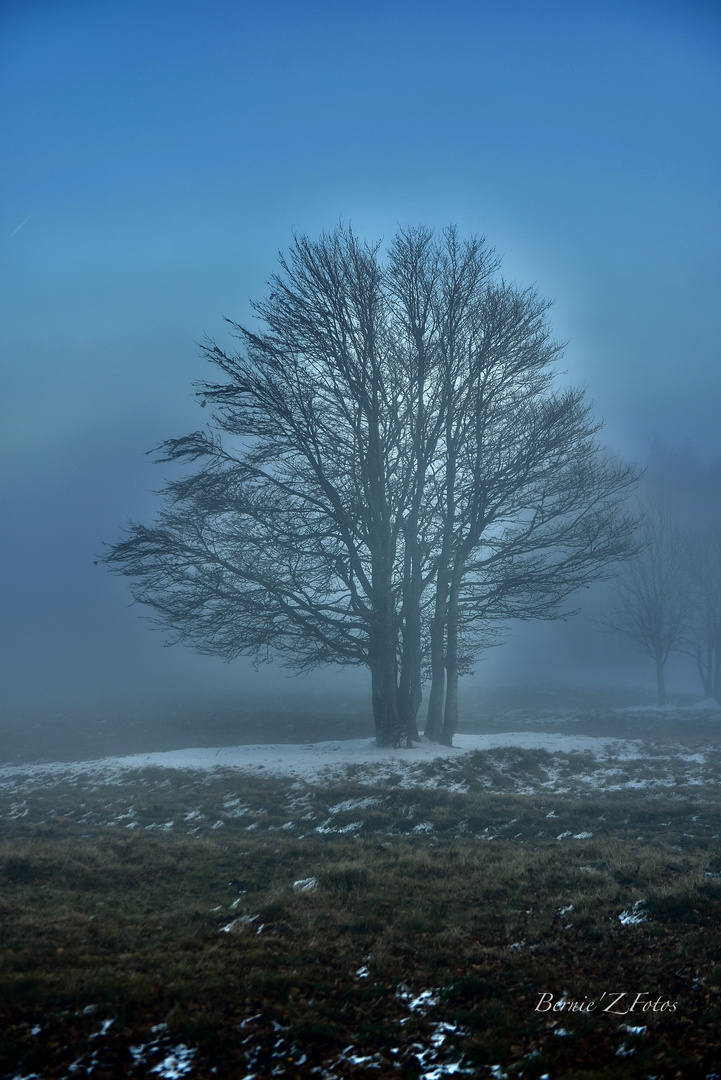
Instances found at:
x=667 y=599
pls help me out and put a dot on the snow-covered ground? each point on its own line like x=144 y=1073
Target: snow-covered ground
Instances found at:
x=675 y=753
x=325 y=760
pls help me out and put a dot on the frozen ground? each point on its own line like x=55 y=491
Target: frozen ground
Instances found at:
x=535 y=775
x=328 y=761
x=522 y=761
x=352 y=785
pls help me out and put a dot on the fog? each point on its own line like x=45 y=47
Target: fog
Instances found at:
x=155 y=163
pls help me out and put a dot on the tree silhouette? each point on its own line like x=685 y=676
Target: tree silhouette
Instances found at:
x=702 y=638
x=652 y=596
x=389 y=472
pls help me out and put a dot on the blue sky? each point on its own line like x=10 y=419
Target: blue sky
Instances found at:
x=158 y=155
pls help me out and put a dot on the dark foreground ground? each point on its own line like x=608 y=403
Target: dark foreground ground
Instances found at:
x=519 y=913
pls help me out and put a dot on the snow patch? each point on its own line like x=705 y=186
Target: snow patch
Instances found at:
x=308 y=884
x=319 y=761
x=634 y=915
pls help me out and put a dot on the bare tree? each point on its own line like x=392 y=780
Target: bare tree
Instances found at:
x=652 y=597
x=702 y=640
x=387 y=472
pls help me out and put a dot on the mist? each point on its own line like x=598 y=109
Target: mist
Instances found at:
x=585 y=148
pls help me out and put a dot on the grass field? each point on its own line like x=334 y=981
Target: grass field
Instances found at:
x=514 y=913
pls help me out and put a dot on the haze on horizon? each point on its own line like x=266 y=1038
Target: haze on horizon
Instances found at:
x=158 y=158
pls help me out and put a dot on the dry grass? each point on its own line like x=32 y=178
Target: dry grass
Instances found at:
x=197 y=936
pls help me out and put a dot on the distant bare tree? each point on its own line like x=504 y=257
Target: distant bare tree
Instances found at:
x=652 y=595
x=703 y=637
x=388 y=473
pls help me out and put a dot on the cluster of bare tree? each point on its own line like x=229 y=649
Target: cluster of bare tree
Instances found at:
x=390 y=475
x=668 y=598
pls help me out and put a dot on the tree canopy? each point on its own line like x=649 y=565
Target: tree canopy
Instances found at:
x=390 y=473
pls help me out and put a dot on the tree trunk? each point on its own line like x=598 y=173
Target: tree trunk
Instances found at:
x=716 y=679
x=410 y=693
x=384 y=688
x=382 y=645
x=660 y=682
x=382 y=656
x=410 y=682
x=704 y=668
x=434 y=719
x=450 y=712
x=385 y=707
